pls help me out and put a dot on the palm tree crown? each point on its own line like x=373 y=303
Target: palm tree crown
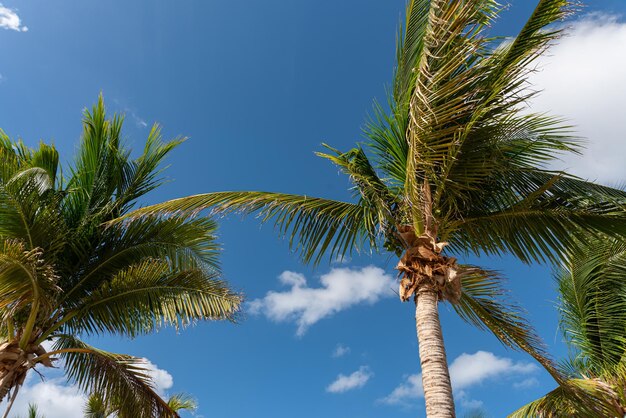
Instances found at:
x=455 y=164
x=65 y=273
x=593 y=319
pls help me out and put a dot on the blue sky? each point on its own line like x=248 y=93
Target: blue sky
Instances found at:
x=258 y=86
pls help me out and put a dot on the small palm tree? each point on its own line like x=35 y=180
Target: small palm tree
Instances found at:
x=66 y=274
x=592 y=287
x=33 y=412
x=456 y=166
x=98 y=407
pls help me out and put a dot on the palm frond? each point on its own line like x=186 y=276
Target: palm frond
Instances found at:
x=148 y=296
x=484 y=303
x=95 y=407
x=583 y=398
x=593 y=304
x=446 y=85
x=539 y=216
x=185 y=240
x=28 y=287
x=387 y=139
x=409 y=46
x=182 y=401
x=113 y=376
x=368 y=186
x=315 y=226
x=142 y=175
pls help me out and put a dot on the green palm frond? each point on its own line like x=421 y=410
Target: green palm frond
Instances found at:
x=543 y=215
x=593 y=304
x=29 y=209
x=113 y=376
x=485 y=304
x=593 y=319
x=182 y=401
x=105 y=180
x=33 y=411
x=387 y=140
x=443 y=96
x=315 y=226
x=185 y=240
x=142 y=175
x=148 y=296
x=67 y=271
x=409 y=46
x=28 y=287
x=96 y=407
x=584 y=398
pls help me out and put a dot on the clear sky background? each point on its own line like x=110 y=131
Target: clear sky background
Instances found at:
x=258 y=86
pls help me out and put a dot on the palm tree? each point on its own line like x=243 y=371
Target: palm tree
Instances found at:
x=456 y=165
x=592 y=289
x=97 y=406
x=65 y=274
x=33 y=412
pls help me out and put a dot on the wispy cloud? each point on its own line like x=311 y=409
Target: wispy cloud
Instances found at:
x=353 y=381
x=531 y=382
x=10 y=20
x=340 y=351
x=340 y=289
x=128 y=111
x=466 y=370
x=582 y=79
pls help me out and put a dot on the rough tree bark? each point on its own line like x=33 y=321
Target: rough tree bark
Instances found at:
x=430 y=277
x=435 y=376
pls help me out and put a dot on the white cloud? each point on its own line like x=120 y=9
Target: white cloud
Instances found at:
x=56 y=399
x=466 y=402
x=531 y=382
x=582 y=78
x=53 y=398
x=10 y=20
x=466 y=371
x=341 y=289
x=356 y=380
x=161 y=378
x=340 y=351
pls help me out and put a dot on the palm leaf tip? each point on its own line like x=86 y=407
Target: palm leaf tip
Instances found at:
x=484 y=303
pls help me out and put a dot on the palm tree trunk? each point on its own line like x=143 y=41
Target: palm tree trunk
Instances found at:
x=435 y=376
x=11 y=401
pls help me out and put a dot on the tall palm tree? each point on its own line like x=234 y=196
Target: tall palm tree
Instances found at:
x=592 y=287
x=65 y=274
x=98 y=407
x=456 y=165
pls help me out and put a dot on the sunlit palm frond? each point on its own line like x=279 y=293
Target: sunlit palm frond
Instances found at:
x=96 y=407
x=584 y=398
x=368 y=186
x=593 y=304
x=98 y=171
x=541 y=216
x=140 y=176
x=185 y=240
x=29 y=210
x=148 y=296
x=315 y=226
x=443 y=96
x=387 y=140
x=113 y=376
x=182 y=401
